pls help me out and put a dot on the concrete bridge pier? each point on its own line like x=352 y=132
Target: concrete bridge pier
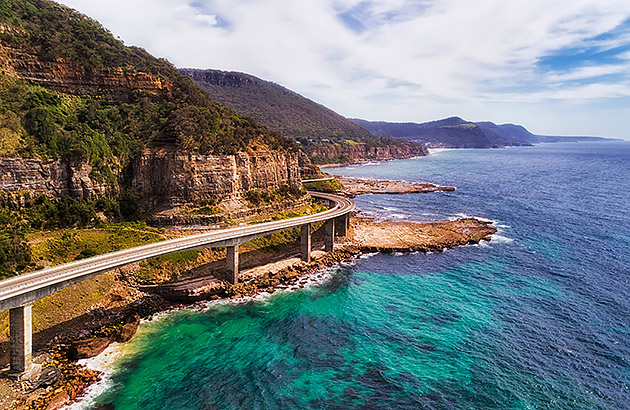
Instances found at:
x=232 y=263
x=329 y=239
x=342 y=225
x=305 y=242
x=21 y=338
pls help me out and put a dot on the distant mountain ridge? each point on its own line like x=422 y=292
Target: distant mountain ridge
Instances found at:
x=324 y=135
x=455 y=132
x=285 y=111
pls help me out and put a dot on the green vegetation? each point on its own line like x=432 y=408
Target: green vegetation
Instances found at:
x=325 y=186
x=15 y=253
x=312 y=125
x=65 y=245
x=275 y=240
x=103 y=122
x=337 y=159
x=259 y=198
x=168 y=267
x=202 y=207
x=310 y=209
x=42 y=212
x=18 y=227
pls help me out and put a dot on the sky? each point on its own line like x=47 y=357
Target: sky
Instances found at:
x=558 y=67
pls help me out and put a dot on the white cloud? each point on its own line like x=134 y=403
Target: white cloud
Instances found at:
x=448 y=53
x=585 y=73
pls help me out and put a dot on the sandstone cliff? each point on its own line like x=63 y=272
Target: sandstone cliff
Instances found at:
x=83 y=115
x=64 y=76
x=160 y=177
x=176 y=177
x=32 y=177
x=355 y=153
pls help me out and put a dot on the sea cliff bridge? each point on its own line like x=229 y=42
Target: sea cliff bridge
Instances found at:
x=19 y=293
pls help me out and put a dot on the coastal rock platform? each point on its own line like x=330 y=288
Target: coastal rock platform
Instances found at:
x=371 y=236
x=354 y=187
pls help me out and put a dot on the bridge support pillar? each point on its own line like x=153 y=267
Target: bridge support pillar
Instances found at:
x=342 y=225
x=305 y=242
x=329 y=238
x=21 y=338
x=232 y=264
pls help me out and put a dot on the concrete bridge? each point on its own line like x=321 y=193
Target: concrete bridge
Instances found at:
x=19 y=293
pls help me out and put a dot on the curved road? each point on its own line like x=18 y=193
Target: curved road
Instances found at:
x=26 y=289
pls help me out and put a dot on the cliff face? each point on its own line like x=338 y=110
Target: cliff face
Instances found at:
x=161 y=178
x=55 y=179
x=83 y=115
x=61 y=75
x=356 y=153
x=175 y=177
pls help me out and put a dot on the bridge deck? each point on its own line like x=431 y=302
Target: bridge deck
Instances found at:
x=21 y=291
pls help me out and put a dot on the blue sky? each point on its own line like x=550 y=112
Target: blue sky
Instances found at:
x=560 y=67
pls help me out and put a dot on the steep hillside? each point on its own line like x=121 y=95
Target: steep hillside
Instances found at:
x=452 y=132
x=325 y=135
x=455 y=132
x=81 y=114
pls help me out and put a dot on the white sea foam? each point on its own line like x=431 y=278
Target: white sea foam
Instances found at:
x=104 y=363
x=497 y=238
x=468 y=216
x=367 y=255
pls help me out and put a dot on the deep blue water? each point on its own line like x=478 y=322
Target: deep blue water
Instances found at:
x=537 y=319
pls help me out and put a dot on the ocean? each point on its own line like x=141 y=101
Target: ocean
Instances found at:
x=539 y=318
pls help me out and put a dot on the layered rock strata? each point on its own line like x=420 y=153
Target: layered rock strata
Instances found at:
x=358 y=152
x=159 y=177
x=22 y=177
x=174 y=177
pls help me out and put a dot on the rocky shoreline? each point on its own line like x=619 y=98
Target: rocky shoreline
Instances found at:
x=354 y=187
x=365 y=235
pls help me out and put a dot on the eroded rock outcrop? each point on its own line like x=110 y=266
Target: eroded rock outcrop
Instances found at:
x=56 y=179
x=160 y=177
x=174 y=177
x=64 y=76
x=358 y=153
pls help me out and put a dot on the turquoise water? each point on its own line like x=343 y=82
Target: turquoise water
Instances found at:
x=538 y=319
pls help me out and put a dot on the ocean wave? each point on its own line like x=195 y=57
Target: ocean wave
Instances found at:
x=468 y=216
x=104 y=363
x=498 y=238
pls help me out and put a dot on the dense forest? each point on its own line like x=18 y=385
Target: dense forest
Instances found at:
x=105 y=126
x=290 y=114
